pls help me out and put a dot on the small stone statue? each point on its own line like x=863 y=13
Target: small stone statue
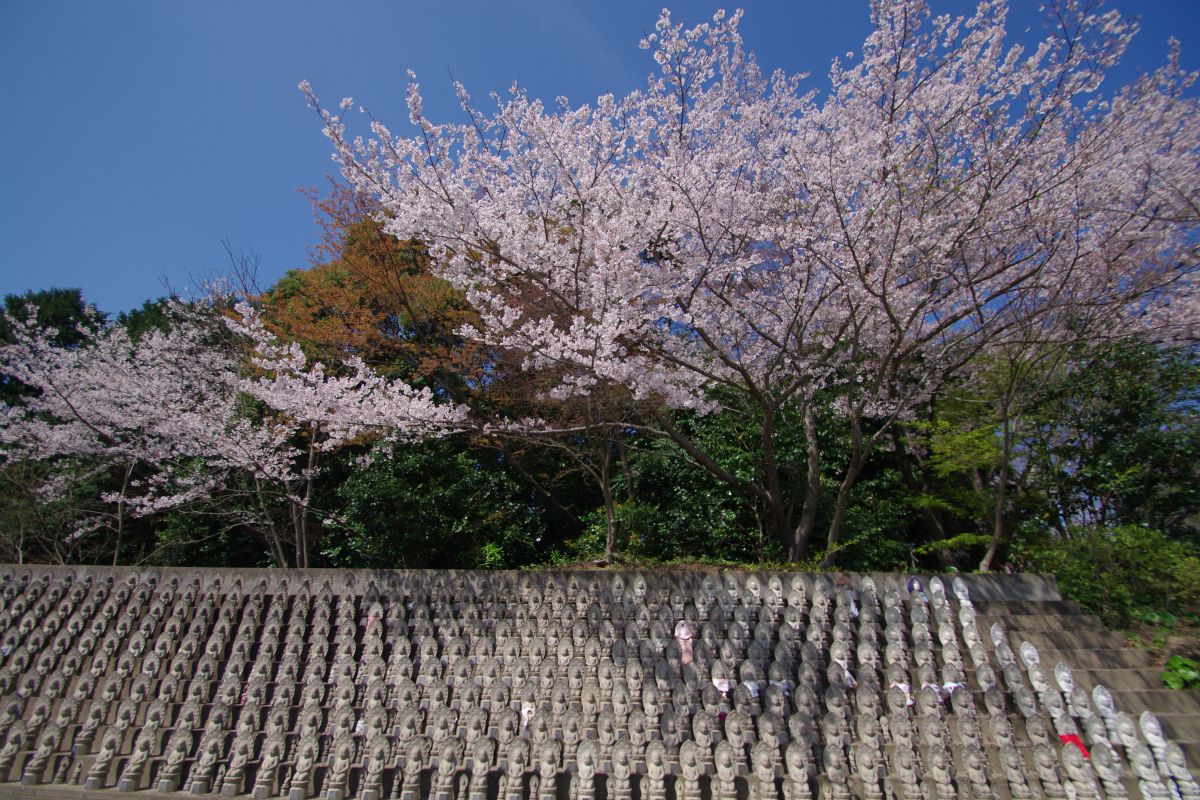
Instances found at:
x=1142 y=761
x=1184 y=784
x=688 y=787
x=98 y=775
x=443 y=776
x=762 y=769
x=376 y=761
x=726 y=765
x=870 y=770
x=1106 y=707
x=414 y=756
x=339 y=770
x=1108 y=769
x=202 y=772
x=264 y=780
x=544 y=784
x=1015 y=773
x=482 y=754
x=977 y=773
x=796 y=786
x=585 y=764
x=47 y=745
x=654 y=782
x=834 y=782
x=178 y=749
x=96 y=715
x=1048 y=772
x=131 y=775
x=941 y=775
x=302 y=771
x=619 y=780
x=1152 y=730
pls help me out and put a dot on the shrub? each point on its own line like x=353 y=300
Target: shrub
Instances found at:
x=1181 y=672
x=1121 y=574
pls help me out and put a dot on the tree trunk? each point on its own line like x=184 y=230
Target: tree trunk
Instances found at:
x=297 y=543
x=610 y=518
x=1001 y=494
x=272 y=531
x=839 y=513
x=625 y=468
x=121 y=511
x=812 y=490
x=302 y=532
x=776 y=510
x=858 y=456
x=610 y=506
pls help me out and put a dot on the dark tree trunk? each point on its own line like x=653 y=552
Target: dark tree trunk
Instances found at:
x=802 y=535
x=998 y=529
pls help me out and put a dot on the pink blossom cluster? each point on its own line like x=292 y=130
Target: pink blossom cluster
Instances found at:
x=951 y=192
x=161 y=401
x=171 y=408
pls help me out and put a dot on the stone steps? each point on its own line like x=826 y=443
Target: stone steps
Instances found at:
x=1181 y=727
x=1071 y=641
x=1109 y=659
x=1043 y=624
x=1017 y=608
x=1062 y=632
x=1160 y=701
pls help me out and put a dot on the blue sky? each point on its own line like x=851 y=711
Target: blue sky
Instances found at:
x=137 y=135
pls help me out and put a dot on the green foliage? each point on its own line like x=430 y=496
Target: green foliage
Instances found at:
x=491 y=556
x=645 y=533
x=962 y=541
x=683 y=510
x=956 y=446
x=1115 y=440
x=1103 y=491
x=62 y=309
x=1121 y=574
x=876 y=525
x=153 y=315
x=433 y=504
x=35 y=528
x=65 y=310
x=199 y=535
x=1181 y=672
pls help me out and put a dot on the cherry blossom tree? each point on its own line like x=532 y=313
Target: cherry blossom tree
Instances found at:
x=973 y=196
x=952 y=192
x=329 y=410
x=168 y=412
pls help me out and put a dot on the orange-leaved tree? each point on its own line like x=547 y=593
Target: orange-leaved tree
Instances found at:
x=372 y=296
